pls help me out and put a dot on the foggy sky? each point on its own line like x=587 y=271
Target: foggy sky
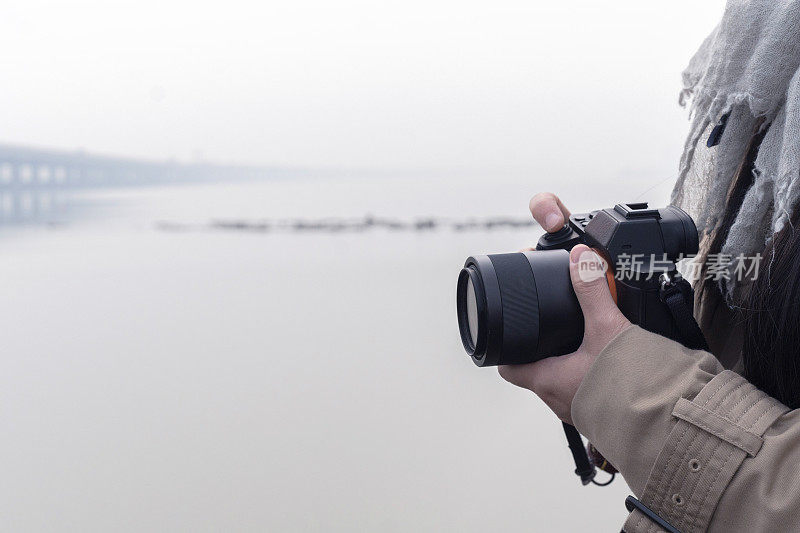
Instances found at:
x=511 y=86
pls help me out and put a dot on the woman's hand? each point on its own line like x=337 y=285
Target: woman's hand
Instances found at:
x=556 y=379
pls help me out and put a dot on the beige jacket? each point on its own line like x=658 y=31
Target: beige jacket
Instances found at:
x=697 y=444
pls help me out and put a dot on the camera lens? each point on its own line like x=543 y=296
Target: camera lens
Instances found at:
x=517 y=308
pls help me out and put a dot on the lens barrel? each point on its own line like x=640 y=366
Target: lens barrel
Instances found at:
x=524 y=307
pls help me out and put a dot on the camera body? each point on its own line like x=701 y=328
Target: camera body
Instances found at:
x=519 y=308
x=639 y=245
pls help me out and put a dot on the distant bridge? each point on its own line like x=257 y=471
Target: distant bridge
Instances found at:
x=23 y=168
x=37 y=185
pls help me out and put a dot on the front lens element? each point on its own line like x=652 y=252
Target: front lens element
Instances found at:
x=471 y=302
x=472 y=312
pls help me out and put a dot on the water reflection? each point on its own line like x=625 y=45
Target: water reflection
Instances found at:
x=35 y=206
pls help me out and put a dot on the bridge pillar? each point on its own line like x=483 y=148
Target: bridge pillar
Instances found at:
x=43 y=175
x=6 y=174
x=24 y=174
x=60 y=175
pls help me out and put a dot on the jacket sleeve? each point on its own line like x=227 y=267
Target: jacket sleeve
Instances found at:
x=699 y=445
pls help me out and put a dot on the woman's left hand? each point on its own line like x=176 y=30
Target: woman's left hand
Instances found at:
x=556 y=379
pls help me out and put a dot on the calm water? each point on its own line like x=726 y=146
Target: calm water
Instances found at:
x=205 y=380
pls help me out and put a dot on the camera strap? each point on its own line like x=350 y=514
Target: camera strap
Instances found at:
x=677 y=294
x=583 y=467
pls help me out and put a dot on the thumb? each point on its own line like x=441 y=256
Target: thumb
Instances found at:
x=588 y=273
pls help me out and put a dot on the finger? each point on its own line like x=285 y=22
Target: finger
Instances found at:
x=588 y=273
x=528 y=249
x=548 y=211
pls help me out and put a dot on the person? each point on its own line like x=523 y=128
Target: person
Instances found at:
x=707 y=440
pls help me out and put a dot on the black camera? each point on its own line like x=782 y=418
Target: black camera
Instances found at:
x=520 y=307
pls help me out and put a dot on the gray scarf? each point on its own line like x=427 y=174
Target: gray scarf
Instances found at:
x=747 y=71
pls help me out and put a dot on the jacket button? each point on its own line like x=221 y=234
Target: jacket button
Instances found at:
x=677 y=499
x=694 y=465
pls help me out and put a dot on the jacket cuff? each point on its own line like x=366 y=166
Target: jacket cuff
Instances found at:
x=714 y=433
x=624 y=404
